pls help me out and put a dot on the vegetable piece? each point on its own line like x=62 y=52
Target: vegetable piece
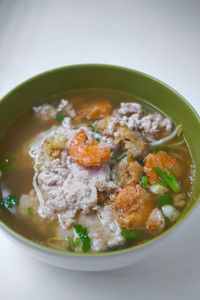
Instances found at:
x=170 y=212
x=167 y=221
x=161 y=183
x=164 y=200
x=133 y=234
x=144 y=181
x=93 y=128
x=173 y=179
x=82 y=232
x=125 y=245
x=177 y=132
x=70 y=242
x=170 y=179
x=57 y=243
x=30 y=210
x=76 y=242
x=9 y=201
x=98 y=140
x=105 y=194
x=60 y=117
x=118 y=155
x=100 y=203
x=158 y=149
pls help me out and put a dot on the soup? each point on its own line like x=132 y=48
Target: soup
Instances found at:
x=100 y=171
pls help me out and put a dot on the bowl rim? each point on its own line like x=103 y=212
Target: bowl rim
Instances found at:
x=153 y=241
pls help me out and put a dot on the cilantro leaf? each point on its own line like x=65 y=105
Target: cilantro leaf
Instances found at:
x=82 y=232
x=9 y=201
x=60 y=117
x=133 y=234
x=164 y=200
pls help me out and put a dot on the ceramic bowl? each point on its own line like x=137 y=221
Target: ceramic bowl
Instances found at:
x=39 y=88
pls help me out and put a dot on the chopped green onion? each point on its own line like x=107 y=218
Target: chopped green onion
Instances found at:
x=98 y=139
x=70 y=243
x=173 y=179
x=134 y=234
x=170 y=179
x=60 y=117
x=30 y=210
x=9 y=201
x=105 y=194
x=164 y=200
x=118 y=155
x=158 y=149
x=57 y=243
x=144 y=181
x=179 y=130
x=161 y=183
x=167 y=221
x=76 y=242
x=82 y=232
x=93 y=128
x=100 y=203
x=127 y=243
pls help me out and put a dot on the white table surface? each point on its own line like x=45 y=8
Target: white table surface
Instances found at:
x=161 y=38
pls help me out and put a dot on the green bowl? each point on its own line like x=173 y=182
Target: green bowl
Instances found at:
x=41 y=87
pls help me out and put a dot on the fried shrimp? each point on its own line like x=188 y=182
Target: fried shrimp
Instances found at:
x=95 y=111
x=88 y=152
x=132 y=207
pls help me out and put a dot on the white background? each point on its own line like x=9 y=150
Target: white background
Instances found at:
x=161 y=38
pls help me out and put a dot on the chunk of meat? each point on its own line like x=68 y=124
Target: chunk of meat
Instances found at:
x=88 y=152
x=133 y=141
x=132 y=207
x=125 y=173
x=55 y=145
x=161 y=160
x=155 y=222
x=103 y=124
x=95 y=111
x=179 y=200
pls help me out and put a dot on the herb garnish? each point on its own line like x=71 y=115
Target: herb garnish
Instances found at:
x=30 y=210
x=158 y=149
x=133 y=234
x=164 y=200
x=93 y=128
x=70 y=243
x=118 y=155
x=98 y=140
x=105 y=194
x=60 y=117
x=161 y=183
x=144 y=181
x=9 y=201
x=82 y=232
x=170 y=179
